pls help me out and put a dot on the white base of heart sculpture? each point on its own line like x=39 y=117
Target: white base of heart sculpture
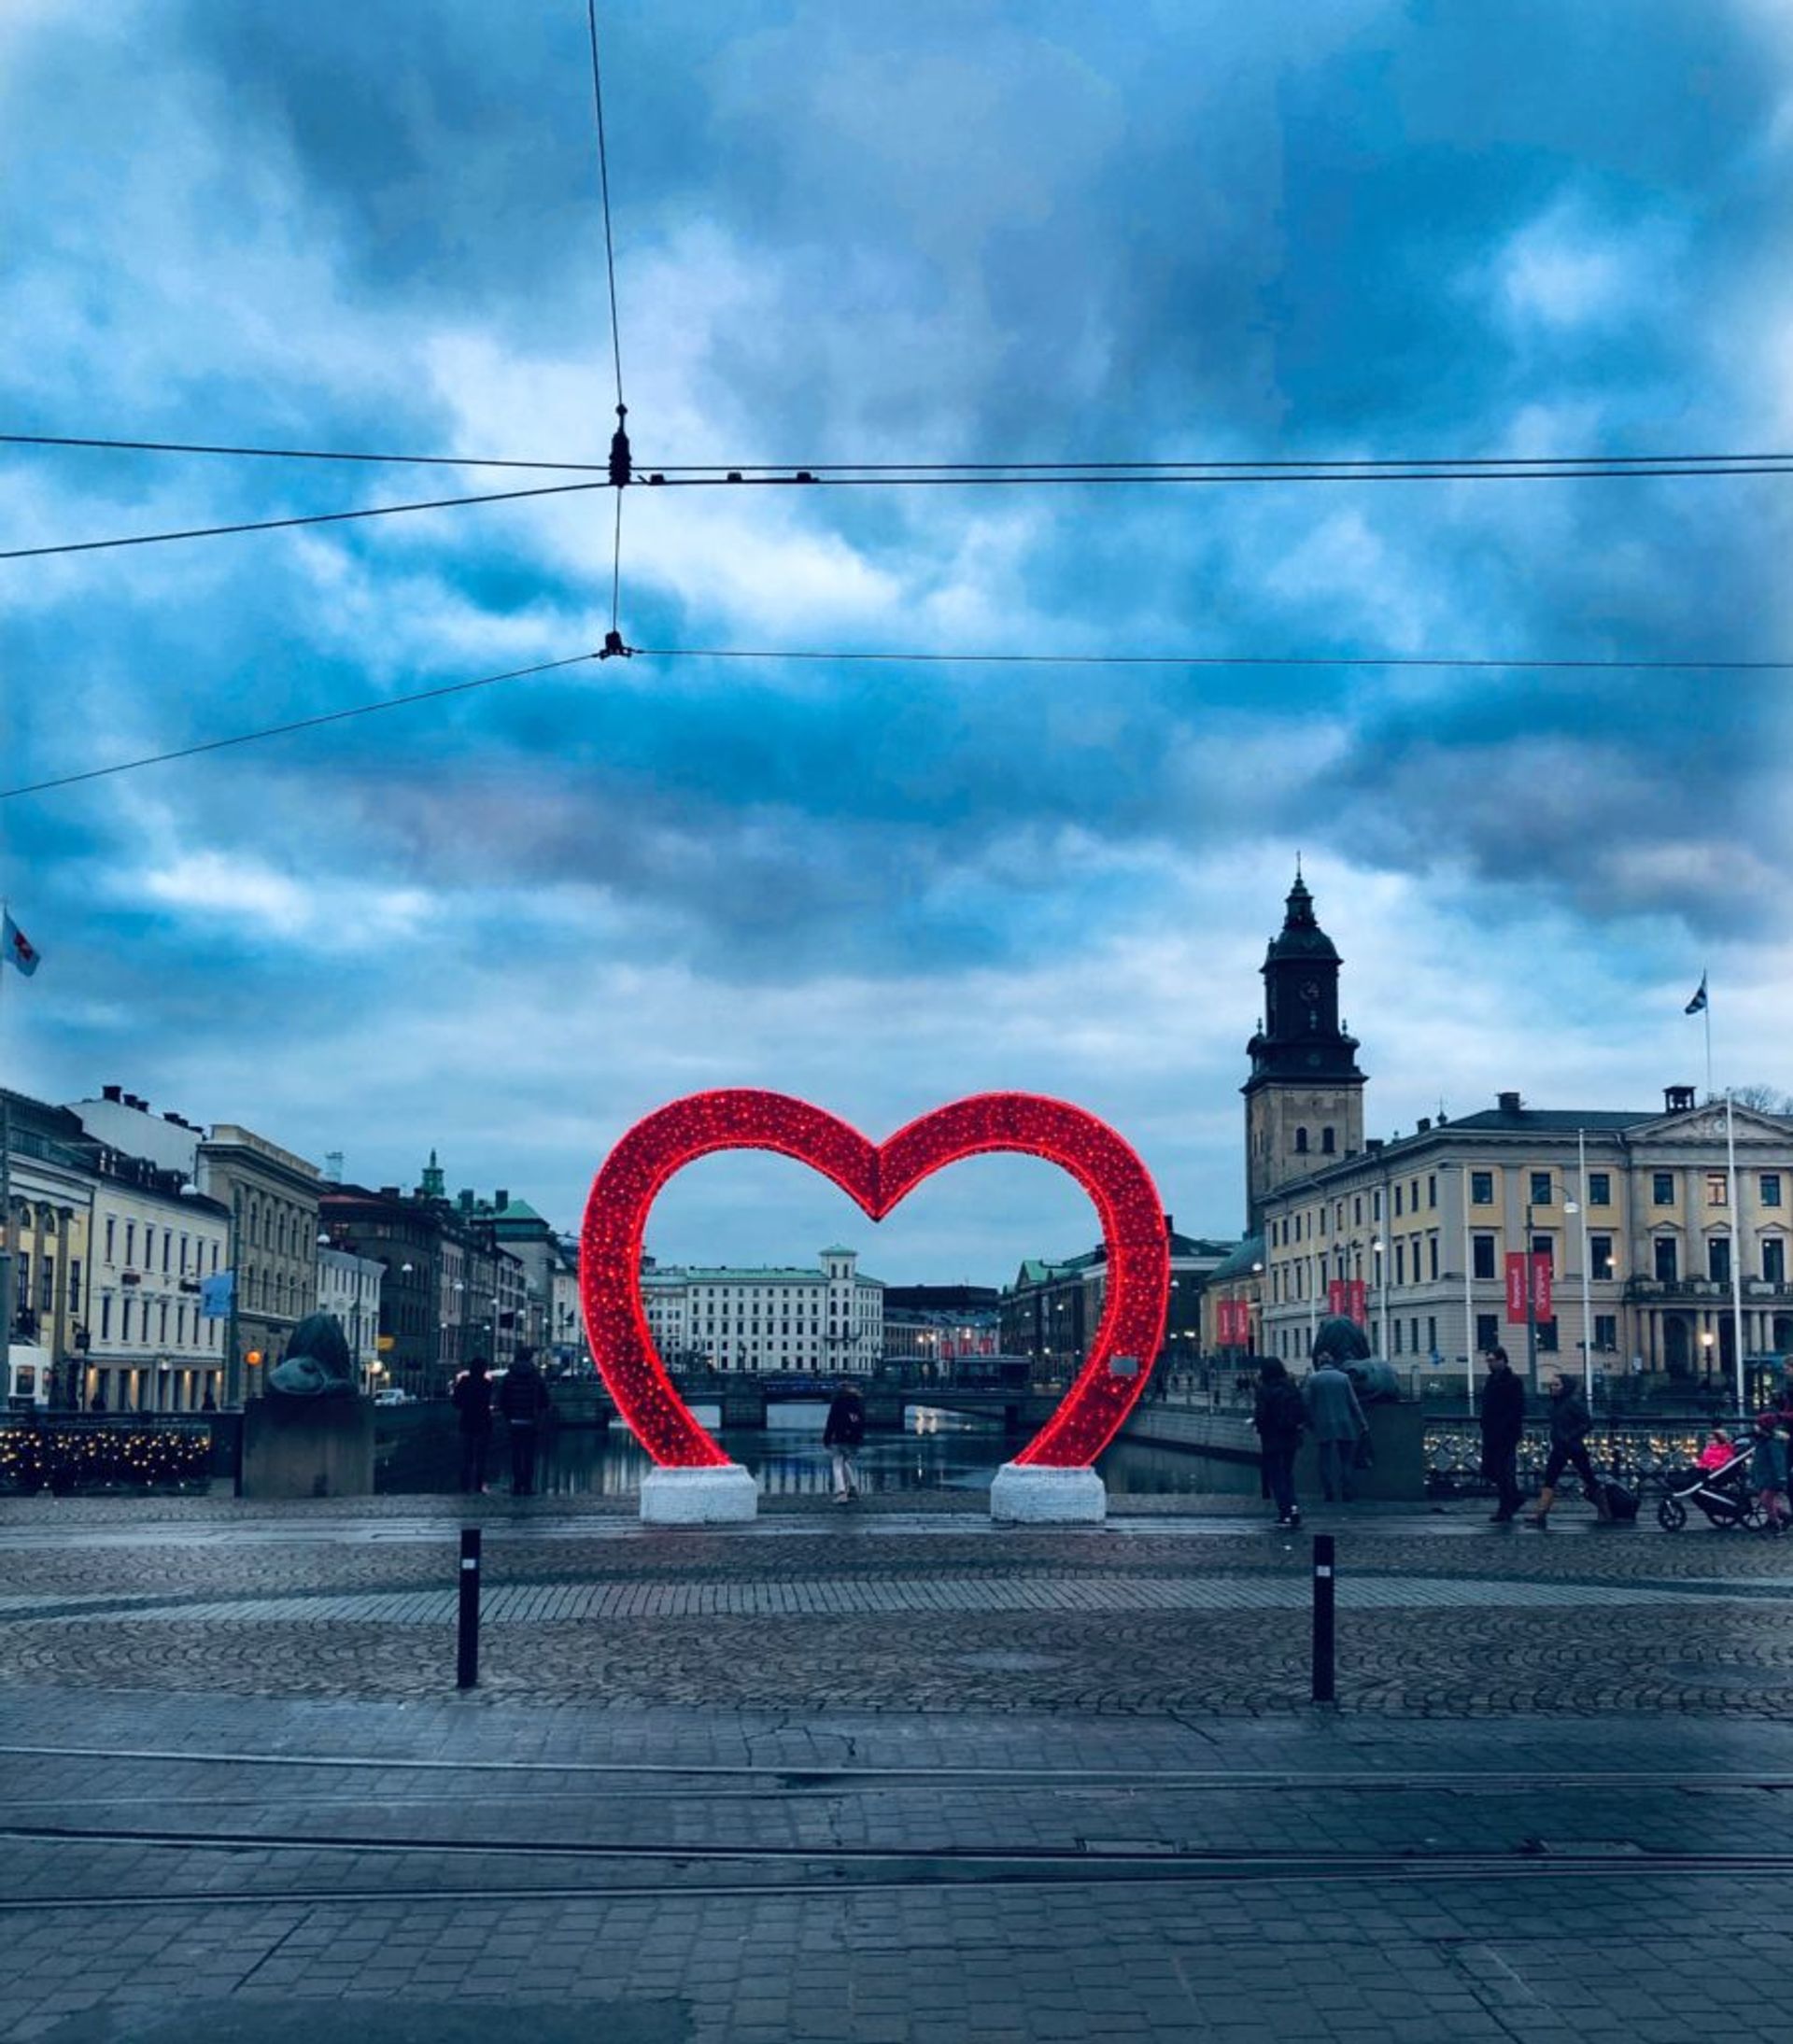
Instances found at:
x=1027 y=1494
x=724 y=1494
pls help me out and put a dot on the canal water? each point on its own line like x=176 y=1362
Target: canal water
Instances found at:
x=936 y=1451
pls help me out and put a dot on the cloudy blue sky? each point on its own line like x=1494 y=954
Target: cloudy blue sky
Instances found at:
x=509 y=924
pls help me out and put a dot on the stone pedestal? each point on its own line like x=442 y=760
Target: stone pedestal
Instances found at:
x=724 y=1494
x=308 y=1448
x=1026 y=1494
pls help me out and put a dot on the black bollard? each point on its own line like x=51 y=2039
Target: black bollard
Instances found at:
x=467 y=1655
x=1324 y=1637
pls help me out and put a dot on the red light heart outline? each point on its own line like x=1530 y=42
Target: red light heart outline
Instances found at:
x=875 y=1176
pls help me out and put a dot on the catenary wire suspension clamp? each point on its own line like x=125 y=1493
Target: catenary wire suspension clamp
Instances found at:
x=621 y=471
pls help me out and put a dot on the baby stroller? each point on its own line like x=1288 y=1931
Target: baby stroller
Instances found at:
x=1723 y=1494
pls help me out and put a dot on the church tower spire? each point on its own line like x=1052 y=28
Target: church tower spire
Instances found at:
x=1304 y=1101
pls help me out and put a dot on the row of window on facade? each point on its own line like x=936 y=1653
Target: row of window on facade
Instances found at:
x=190 y=1250
x=1406 y=1338
x=1291 y=1227
x=46 y=1282
x=287 y=1230
x=1289 y=1281
x=206 y=1332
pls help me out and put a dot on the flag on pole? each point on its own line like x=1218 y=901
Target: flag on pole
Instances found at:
x=18 y=947
x=214 y=1295
x=1699 y=1001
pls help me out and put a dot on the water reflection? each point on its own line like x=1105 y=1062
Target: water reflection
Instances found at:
x=937 y=1450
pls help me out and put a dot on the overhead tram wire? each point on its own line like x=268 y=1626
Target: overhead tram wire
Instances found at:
x=1443 y=467
x=296 y=724
x=279 y=524
x=1444 y=662
x=603 y=180
x=1188 y=660
x=620 y=474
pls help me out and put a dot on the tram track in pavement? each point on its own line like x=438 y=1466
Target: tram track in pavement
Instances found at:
x=787 y=1776
x=860 y=1870
x=620 y=1868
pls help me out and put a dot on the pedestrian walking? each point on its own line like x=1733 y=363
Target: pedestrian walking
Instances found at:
x=1280 y=1414
x=1503 y=1416
x=1338 y=1423
x=1767 y=1463
x=1571 y=1423
x=524 y=1400
x=842 y=1435
x=472 y=1403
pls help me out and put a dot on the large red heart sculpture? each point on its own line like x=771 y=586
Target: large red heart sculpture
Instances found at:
x=876 y=1177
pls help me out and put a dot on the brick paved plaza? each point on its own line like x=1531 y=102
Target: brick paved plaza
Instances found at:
x=881 y=1776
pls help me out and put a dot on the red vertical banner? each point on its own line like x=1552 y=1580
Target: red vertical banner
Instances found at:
x=1516 y=1261
x=1516 y=1285
x=1357 y=1302
x=1337 y=1300
x=1233 y=1323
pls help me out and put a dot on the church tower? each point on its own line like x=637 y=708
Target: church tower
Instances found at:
x=1304 y=1102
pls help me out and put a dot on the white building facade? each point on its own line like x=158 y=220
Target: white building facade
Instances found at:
x=821 y=1321
x=348 y=1286
x=150 y=1346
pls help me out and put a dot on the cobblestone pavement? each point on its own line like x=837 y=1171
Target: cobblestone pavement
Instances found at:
x=903 y=1775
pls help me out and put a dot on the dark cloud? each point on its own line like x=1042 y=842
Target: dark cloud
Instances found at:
x=946 y=228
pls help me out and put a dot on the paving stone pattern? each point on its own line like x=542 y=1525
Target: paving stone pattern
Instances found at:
x=896 y=1777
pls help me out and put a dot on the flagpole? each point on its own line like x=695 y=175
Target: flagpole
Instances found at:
x=1586 y=1289
x=1469 y=1304
x=1706 y=1012
x=1736 y=1251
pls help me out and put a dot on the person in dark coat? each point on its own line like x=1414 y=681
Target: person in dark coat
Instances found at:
x=472 y=1401
x=1338 y=1423
x=1768 y=1472
x=524 y=1400
x=841 y=1436
x=1279 y=1414
x=1571 y=1423
x=1502 y=1412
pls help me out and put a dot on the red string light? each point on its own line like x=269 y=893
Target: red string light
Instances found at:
x=876 y=1177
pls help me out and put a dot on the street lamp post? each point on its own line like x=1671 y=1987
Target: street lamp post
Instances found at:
x=1381 y=1292
x=234 y=1389
x=406 y=1270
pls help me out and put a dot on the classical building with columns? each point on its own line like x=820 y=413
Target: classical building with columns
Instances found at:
x=1635 y=1211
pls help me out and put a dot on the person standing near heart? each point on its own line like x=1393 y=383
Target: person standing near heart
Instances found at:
x=843 y=1437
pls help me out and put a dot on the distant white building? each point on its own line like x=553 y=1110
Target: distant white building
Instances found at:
x=348 y=1286
x=151 y=1347
x=824 y=1320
